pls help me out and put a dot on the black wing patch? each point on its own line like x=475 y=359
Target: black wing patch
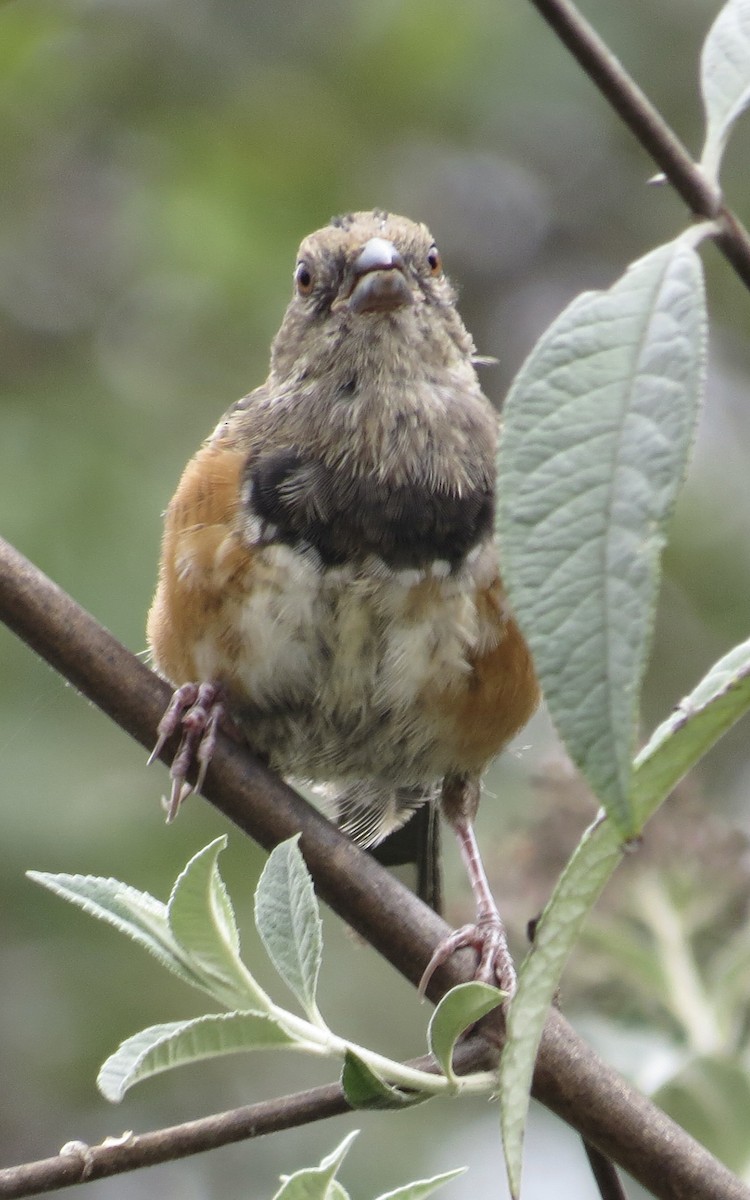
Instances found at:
x=304 y=502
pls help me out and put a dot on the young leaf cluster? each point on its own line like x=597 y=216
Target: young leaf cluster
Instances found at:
x=195 y=935
x=320 y=1183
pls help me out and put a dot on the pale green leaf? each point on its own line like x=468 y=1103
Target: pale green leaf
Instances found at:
x=334 y=1160
x=422 y=1187
x=591 y=865
x=202 y=921
x=597 y=431
x=199 y=908
x=697 y=723
x=721 y=697
x=177 y=1043
x=725 y=80
x=337 y=1192
x=364 y=1088
x=137 y=914
x=316 y=1183
x=458 y=1009
x=288 y=920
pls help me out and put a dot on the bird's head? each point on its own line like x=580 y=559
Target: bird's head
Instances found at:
x=366 y=283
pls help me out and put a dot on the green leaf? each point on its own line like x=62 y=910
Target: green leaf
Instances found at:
x=194 y=936
x=364 y=1088
x=721 y=697
x=137 y=914
x=288 y=920
x=317 y=1183
x=202 y=920
x=458 y=1009
x=591 y=865
x=697 y=723
x=597 y=431
x=177 y=1043
x=422 y=1187
x=725 y=80
x=337 y=1192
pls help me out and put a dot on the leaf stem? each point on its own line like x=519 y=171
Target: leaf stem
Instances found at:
x=322 y=1041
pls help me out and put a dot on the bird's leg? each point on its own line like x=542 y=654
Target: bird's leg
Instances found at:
x=198 y=710
x=460 y=798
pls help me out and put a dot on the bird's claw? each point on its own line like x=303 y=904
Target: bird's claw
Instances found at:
x=487 y=937
x=197 y=710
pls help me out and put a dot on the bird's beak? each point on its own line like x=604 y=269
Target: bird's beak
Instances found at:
x=378 y=282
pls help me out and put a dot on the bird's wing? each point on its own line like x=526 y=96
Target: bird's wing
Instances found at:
x=204 y=557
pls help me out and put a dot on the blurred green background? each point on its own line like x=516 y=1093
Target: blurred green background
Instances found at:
x=160 y=162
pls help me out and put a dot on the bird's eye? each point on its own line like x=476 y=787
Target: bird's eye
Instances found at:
x=434 y=261
x=303 y=277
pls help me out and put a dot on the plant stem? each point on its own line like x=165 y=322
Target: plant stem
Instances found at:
x=322 y=1041
x=570 y=1078
x=650 y=128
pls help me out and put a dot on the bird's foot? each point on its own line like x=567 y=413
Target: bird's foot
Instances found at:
x=487 y=937
x=197 y=710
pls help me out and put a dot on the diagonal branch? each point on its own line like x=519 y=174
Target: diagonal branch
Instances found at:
x=650 y=128
x=570 y=1078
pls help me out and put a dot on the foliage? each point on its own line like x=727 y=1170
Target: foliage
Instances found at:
x=320 y=1183
x=195 y=936
x=144 y=313
x=597 y=433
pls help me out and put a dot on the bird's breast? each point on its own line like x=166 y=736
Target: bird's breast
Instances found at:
x=355 y=671
x=350 y=669
x=346 y=516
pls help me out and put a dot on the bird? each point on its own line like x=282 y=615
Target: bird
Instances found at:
x=329 y=588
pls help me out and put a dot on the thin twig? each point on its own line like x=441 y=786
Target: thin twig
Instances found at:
x=83 y=1164
x=78 y=1163
x=570 y=1078
x=605 y=1175
x=650 y=128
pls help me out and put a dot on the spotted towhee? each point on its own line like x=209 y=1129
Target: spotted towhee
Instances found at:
x=329 y=581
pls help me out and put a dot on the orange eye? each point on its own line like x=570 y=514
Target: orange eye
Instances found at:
x=303 y=277
x=434 y=261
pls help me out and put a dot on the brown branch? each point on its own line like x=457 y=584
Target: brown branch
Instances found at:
x=84 y=1164
x=570 y=1078
x=79 y=1163
x=650 y=129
